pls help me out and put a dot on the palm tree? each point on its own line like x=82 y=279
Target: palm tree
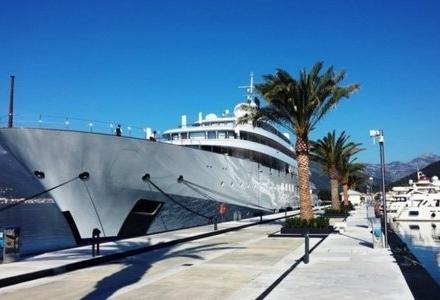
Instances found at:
x=330 y=152
x=298 y=105
x=350 y=174
x=356 y=180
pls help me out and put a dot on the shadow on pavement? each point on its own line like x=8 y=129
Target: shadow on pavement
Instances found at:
x=136 y=267
x=362 y=242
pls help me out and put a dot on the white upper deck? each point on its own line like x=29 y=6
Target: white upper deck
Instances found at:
x=226 y=131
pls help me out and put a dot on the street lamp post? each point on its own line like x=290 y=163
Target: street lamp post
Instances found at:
x=371 y=190
x=379 y=135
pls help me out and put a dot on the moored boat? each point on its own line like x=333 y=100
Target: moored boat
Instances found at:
x=124 y=185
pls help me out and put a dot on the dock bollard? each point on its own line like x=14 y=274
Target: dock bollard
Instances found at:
x=215 y=224
x=306 y=250
x=95 y=240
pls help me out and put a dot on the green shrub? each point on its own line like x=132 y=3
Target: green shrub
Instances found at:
x=343 y=210
x=349 y=207
x=320 y=222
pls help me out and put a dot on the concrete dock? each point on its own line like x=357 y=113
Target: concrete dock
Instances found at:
x=345 y=266
x=240 y=263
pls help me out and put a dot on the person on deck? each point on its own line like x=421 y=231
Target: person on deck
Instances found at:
x=118 y=130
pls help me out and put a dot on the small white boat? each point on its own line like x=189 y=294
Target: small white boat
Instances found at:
x=413 y=195
x=426 y=209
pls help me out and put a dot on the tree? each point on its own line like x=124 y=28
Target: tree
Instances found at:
x=298 y=105
x=330 y=152
x=350 y=174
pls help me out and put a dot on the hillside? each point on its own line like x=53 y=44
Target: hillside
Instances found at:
x=395 y=170
x=430 y=170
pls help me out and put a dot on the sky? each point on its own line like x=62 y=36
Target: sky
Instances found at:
x=145 y=63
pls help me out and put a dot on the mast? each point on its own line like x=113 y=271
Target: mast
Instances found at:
x=11 y=103
x=250 y=90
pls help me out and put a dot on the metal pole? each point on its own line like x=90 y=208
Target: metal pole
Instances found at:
x=382 y=166
x=306 y=248
x=11 y=103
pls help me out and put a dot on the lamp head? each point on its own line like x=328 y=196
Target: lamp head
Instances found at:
x=374 y=133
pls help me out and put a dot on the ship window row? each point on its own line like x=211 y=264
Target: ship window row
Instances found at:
x=260 y=158
x=208 y=124
x=229 y=134
x=201 y=135
x=260 y=139
x=273 y=130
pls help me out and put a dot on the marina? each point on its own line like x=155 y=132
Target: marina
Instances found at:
x=222 y=186
x=219 y=150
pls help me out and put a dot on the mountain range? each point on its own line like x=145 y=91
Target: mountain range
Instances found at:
x=396 y=170
x=430 y=171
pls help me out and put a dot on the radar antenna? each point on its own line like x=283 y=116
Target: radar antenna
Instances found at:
x=249 y=90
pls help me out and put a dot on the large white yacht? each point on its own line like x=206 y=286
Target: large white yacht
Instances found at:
x=123 y=185
x=420 y=201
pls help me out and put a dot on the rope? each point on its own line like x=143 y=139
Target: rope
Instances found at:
x=94 y=207
x=38 y=194
x=177 y=202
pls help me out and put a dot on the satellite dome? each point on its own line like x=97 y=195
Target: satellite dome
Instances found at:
x=210 y=117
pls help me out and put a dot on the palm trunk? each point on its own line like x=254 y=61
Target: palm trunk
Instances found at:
x=334 y=192
x=345 y=190
x=334 y=188
x=301 y=149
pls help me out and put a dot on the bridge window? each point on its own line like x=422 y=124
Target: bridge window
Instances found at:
x=197 y=135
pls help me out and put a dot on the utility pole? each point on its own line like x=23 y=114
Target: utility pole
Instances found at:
x=11 y=103
x=379 y=135
x=382 y=165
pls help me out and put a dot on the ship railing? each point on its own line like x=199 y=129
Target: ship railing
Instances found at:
x=76 y=124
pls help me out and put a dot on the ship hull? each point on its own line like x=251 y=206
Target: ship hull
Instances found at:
x=133 y=181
